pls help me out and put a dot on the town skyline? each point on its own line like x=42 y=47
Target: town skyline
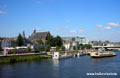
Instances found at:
x=96 y=20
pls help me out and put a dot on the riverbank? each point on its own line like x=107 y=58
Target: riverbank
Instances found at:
x=14 y=59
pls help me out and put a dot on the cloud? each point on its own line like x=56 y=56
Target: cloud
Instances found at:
x=113 y=24
x=2 y=12
x=107 y=28
x=61 y=28
x=99 y=25
x=77 y=31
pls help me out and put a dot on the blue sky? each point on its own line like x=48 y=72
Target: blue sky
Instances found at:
x=95 y=19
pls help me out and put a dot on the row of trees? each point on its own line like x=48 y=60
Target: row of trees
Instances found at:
x=86 y=46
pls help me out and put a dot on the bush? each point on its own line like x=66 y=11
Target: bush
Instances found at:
x=74 y=47
x=39 y=48
x=14 y=51
x=47 y=48
x=62 y=47
x=87 y=46
x=29 y=49
x=57 y=48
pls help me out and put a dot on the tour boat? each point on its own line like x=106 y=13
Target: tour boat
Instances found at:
x=102 y=53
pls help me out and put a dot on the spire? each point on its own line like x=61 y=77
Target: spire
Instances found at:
x=34 y=31
x=23 y=35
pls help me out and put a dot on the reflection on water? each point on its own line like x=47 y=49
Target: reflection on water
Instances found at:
x=65 y=68
x=56 y=63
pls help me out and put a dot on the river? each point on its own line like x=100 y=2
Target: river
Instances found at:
x=65 y=68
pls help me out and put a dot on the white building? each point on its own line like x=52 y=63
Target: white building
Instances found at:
x=76 y=40
x=67 y=45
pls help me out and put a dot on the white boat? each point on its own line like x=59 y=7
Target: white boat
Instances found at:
x=102 y=53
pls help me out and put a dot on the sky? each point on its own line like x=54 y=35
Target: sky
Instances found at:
x=94 y=19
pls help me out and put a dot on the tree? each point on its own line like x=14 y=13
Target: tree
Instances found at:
x=39 y=41
x=78 y=47
x=20 y=41
x=54 y=41
x=87 y=46
x=14 y=50
x=47 y=48
x=39 y=48
x=74 y=47
x=62 y=47
x=58 y=41
x=50 y=41
x=29 y=49
x=57 y=48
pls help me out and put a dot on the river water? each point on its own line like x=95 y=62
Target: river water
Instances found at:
x=65 y=68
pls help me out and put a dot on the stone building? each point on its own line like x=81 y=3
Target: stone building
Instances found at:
x=39 y=35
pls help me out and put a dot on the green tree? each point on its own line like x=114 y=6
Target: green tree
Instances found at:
x=29 y=49
x=74 y=47
x=62 y=47
x=54 y=41
x=58 y=41
x=87 y=46
x=47 y=48
x=57 y=48
x=50 y=41
x=39 y=48
x=78 y=47
x=39 y=41
x=14 y=50
x=20 y=41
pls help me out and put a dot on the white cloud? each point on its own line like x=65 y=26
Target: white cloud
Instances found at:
x=108 y=28
x=99 y=25
x=2 y=12
x=61 y=27
x=77 y=31
x=113 y=24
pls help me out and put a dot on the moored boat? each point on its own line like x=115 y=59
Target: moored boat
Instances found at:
x=102 y=53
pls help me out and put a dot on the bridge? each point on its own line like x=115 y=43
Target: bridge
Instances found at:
x=107 y=47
